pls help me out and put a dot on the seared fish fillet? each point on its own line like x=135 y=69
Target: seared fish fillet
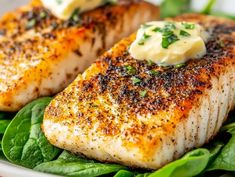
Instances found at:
x=107 y=115
x=40 y=54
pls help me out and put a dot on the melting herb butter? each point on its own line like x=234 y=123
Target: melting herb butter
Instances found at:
x=169 y=43
x=64 y=9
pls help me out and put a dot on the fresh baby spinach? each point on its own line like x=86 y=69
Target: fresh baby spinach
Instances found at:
x=3 y=125
x=226 y=158
x=124 y=173
x=68 y=164
x=23 y=142
x=192 y=164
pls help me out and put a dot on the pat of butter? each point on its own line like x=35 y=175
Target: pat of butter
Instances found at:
x=64 y=9
x=169 y=43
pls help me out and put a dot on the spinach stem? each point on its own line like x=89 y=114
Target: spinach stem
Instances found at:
x=207 y=9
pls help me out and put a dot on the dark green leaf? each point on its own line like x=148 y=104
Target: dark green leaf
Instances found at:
x=23 y=142
x=192 y=164
x=3 y=125
x=208 y=8
x=71 y=165
x=124 y=173
x=226 y=159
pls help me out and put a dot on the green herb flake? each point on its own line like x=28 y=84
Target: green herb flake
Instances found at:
x=184 y=33
x=75 y=15
x=170 y=25
x=150 y=63
x=143 y=93
x=157 y=29
x=130 y=69
x=168 y=40
x=136 y=80
x=43 y=15
x=167 y=32
x=154 y=73
x=144 y=38
x=221 y=43
x=189 y=26
x=31 y=23
x=180 y=65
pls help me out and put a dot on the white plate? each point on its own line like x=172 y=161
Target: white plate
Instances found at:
x=11 y=170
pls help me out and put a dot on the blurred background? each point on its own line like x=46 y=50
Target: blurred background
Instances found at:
x=169 y=7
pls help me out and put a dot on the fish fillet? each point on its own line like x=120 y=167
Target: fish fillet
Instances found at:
x=40 y=54
x=107 y=115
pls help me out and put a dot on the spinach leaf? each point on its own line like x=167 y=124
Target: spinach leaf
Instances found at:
x=214 y=148
x=3 y=125
x=192 y=164
x=23 y=142
x=171 y=8
x=226 y=159
x=208 y=8
x=70 y=165
x=124 y=173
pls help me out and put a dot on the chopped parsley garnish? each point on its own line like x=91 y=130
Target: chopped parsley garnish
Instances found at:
x=170 y=25
x=184 y=33
x=31 y=23
x=150 y=63
x=180 y=65
x=136 y=80
x=154 y=73
x=75 y=16
x=168 y=40
x=188 y=26
x=157 y=29
x=221 y=43
x=144 y=38
x=168 y=34
x=143 y=93
x=130 y=69
x=43 y=15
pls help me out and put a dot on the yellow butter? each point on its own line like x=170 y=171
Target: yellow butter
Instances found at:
x=63 y=9
x=190 y=42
